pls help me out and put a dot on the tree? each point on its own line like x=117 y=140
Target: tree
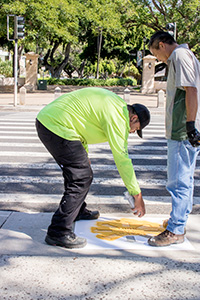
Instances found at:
x=65 y=32
x=75 y=63
x=51 y=25
x=97 y=19
x=156 y=14
x=121 y=37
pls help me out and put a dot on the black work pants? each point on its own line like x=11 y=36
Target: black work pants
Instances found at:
x=73 y=160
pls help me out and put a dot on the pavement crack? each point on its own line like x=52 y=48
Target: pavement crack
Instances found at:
x=1 y=225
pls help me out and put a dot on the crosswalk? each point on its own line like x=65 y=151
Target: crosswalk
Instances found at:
x=31 y=180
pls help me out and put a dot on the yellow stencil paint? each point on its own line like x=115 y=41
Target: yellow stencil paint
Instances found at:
x=114 y=229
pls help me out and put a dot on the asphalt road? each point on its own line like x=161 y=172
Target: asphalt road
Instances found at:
x=31 y=180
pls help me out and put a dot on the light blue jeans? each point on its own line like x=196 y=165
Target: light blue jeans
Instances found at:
x=180 y=172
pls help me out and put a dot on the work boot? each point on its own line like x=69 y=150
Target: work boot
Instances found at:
x=88 y=215
x=166 y=238
x=68 y=241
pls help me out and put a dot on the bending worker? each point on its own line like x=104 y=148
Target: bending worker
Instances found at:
x=66 y=126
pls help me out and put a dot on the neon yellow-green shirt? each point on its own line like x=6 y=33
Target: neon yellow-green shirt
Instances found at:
x=94 y=115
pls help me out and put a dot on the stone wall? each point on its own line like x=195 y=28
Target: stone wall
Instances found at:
x=160 y=85
x=7 y=84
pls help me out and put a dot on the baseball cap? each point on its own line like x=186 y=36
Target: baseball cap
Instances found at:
x=143 y=116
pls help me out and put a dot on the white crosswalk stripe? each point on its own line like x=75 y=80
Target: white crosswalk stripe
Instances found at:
x=17 y=127
x=91 y=155
x=91 y=199
x=146 y=134
x=91 y=147
x=136 y=140
x=16 y=132
x=59 y=179
x=96 y=167
x=10 y=137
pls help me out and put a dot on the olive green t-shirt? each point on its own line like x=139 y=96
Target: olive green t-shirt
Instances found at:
x=94 y=115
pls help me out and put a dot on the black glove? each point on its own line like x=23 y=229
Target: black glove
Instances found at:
x=193 y=134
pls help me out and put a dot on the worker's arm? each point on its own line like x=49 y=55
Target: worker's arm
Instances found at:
x=118 y=144
x=191 y=111
x=191 y=103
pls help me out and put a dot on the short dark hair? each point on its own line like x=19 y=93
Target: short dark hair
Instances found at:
x=160 y=36
x=131 y=109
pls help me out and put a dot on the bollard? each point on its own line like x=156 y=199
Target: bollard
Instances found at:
x=161 y=98
x=57 y=92
x=127 y=95
x=22 y=95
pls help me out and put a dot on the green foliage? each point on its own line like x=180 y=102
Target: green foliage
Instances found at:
x=66 y=32
x=156 y=15
x=55 y=81
x=131 y=70
x=93 y=82
x=106 y=69
x=6 y=68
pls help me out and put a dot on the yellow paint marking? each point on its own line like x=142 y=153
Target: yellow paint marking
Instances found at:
x=114 y=229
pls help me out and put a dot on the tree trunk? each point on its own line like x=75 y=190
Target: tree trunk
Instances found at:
x=81 y=72
x=122 y=71
x=56 y=71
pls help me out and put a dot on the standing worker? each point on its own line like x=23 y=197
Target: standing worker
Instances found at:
x=66 y=126
x=182 y=130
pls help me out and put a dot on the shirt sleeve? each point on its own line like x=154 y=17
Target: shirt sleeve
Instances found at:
x=184 y=68
x=117 y=138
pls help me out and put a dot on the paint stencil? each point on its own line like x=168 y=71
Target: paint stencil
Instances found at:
x=111 y=230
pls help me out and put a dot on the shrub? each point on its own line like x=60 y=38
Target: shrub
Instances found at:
x=93 y=82
x=6 y=68
x=132 y=71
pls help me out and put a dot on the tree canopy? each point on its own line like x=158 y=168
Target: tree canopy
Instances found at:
x=73 y=34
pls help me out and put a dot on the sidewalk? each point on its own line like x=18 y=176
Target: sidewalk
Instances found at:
x=31 y=269
x=38 y=99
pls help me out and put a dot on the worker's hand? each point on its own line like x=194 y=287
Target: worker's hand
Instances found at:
x=139 y=209
x=193 y=134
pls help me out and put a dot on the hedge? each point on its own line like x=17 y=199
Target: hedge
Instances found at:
x=93 y=82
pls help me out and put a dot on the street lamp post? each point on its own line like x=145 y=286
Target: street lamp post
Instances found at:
x=99 y=41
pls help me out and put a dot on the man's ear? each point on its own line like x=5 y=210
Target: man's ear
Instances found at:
x=134 y=117
x=161 y=45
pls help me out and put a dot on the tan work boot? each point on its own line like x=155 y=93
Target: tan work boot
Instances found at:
x=166 y=238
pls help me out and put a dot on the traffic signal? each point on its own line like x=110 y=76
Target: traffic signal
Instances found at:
x=19 y=27
x=171 y=28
